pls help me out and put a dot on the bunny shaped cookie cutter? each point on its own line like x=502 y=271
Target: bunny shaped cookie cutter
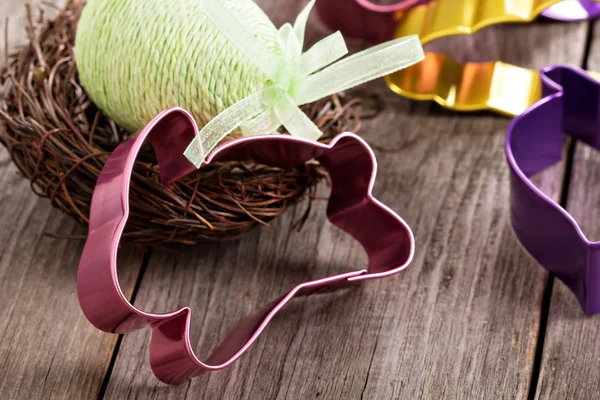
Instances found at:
x=386 y=238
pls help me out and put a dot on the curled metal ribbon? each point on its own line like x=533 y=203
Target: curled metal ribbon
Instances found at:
x=386 y=238
x=295 y=78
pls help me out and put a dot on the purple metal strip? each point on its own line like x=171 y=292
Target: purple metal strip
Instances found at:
x=386 y=238
x=573 y=10
x=361 y=19
x=570 y=105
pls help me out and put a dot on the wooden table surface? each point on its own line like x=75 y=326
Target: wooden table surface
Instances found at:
x=473 y=317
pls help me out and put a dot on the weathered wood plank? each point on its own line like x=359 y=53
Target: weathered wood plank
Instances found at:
x=48 y=348
x=571 y=354
x=461 y=322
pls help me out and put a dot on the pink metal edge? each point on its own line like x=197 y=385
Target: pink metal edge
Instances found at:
x=387 y=239
x=401 y=5
x=362 y=19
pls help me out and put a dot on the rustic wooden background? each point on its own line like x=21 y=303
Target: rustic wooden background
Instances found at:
x=473 y=317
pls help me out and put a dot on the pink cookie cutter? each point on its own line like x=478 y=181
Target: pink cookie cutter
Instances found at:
x=386 y=238
x=363 y=19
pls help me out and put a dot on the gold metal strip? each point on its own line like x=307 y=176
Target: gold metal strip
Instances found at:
x=495 y=86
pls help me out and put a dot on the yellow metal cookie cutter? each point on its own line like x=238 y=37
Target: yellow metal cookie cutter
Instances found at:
x=496 y=86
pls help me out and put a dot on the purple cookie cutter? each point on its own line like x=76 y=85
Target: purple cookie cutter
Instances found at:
x=570 y=105
x=573 y=10
x=386 y=238
x=362 y=19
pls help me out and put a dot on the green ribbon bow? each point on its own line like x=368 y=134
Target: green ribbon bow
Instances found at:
x=295 y=78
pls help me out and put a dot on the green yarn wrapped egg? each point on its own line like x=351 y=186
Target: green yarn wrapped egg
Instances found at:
x=136 y=58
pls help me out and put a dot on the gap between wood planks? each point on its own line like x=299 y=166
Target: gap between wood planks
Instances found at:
x=113 y=358
x=571 y=146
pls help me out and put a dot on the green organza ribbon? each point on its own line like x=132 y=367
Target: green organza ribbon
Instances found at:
x=294 y=78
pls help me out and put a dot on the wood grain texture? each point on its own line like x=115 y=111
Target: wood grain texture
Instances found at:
x=461 y=322
x=48 y=349
x=571 y=355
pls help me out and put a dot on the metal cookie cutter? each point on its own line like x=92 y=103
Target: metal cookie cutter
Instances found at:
x=362 y=19
x=495 y=86
x=386 y=238
x=570 y=104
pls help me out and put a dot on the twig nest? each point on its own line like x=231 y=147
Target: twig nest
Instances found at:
x=60 y=141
